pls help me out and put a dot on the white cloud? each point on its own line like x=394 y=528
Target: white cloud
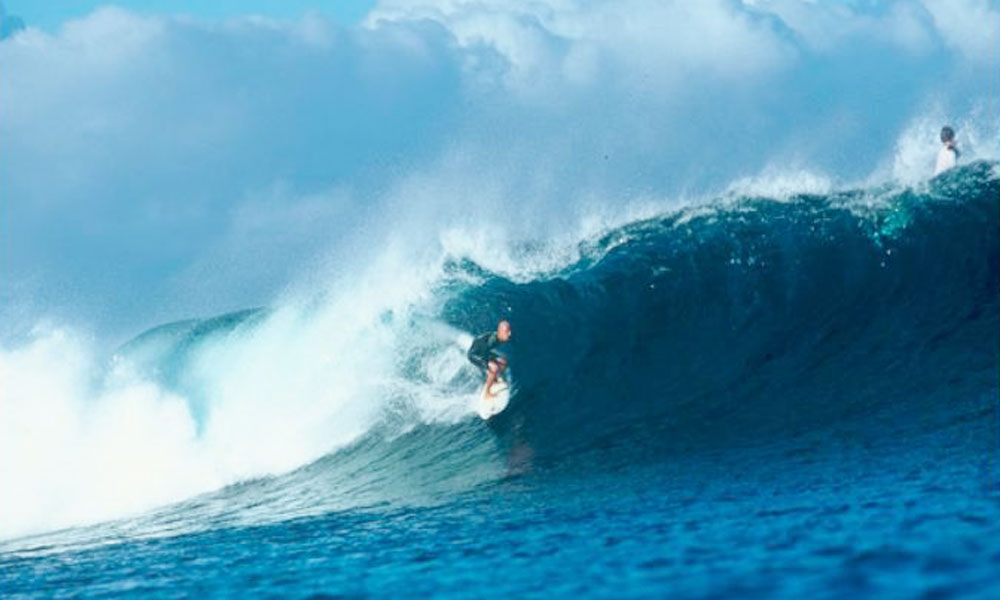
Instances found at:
x=133 y=143
x=128 y=140
x=970 y=26
x=835 y=26
x=645 y=43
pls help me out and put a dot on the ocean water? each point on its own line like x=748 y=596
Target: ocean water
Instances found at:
x=754 y=397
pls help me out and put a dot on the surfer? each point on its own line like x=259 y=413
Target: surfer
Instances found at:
x=948 y=155
x=483 y=352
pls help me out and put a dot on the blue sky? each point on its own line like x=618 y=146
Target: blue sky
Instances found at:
x=156 y=167
x=50 y=14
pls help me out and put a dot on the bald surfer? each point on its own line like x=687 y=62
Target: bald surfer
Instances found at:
x=948 y=155
x=484 y=354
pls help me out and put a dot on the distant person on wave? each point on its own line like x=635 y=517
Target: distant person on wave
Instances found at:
x=483 y=352
x=948 y=156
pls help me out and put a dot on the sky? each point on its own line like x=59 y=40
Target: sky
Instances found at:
x=164 y=160
x=49 y=15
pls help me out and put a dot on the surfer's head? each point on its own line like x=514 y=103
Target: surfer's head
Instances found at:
x=947 y=135
x=503 y=331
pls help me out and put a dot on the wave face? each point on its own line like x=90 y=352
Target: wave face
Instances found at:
x=855 y=324
x=757 y=320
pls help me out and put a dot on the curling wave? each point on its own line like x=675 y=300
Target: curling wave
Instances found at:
x=745 y=321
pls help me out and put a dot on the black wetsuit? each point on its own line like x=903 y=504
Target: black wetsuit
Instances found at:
x=483 y=350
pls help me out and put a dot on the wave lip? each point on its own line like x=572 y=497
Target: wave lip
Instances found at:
x=755 y=319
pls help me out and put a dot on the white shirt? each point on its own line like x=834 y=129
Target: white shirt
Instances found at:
x=947 y=158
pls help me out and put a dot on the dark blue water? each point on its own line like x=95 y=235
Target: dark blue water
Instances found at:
x=760 y=398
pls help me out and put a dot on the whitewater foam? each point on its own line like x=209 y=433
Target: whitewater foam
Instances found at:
x=71 y=453
x=84 y=441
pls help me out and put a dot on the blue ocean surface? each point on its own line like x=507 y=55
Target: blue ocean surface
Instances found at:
x=755 y=397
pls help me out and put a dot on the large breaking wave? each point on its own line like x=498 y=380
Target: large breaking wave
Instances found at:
x=741 y=321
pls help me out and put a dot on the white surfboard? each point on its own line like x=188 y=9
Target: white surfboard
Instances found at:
x=492 y=404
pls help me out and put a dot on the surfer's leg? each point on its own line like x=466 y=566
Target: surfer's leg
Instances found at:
x=496 y=371
x=498 y=367
x=491 y=376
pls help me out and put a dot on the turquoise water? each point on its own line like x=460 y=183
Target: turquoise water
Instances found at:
x=793 y=398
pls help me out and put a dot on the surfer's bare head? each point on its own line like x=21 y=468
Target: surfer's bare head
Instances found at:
x=503 y=331
x=947 y=135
